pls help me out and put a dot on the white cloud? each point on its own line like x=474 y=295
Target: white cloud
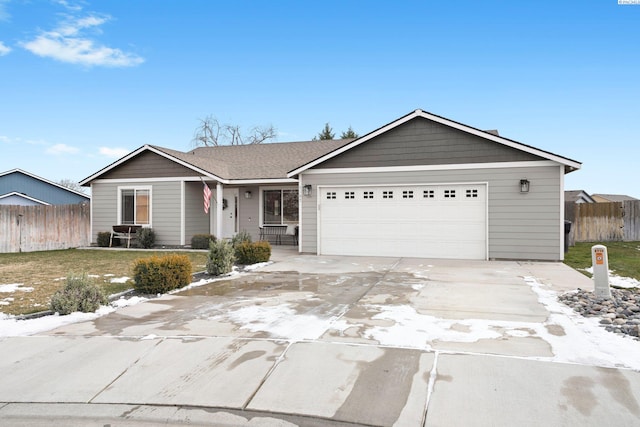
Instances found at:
x=4 y=49
x=67 y=43
x=115 y=153
x=62 y=149
x=5 y=139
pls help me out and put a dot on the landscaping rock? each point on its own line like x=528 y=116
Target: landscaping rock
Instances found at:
x=619 y=314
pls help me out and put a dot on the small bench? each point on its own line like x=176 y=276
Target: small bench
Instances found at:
x=278 y=231
x=126 y=232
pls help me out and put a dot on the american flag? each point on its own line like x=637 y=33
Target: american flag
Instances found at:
x=207 y=198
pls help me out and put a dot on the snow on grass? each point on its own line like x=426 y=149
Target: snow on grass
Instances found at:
x=13 y=287
x=618 y=281
x=119 y=279
x=13 y=326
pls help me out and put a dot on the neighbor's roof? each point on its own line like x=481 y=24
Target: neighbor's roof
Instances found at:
x=46 y=181
x=574 y=195
x=615 y=197
x=233 y=163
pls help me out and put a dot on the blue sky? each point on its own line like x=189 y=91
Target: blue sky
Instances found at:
x=84 y=82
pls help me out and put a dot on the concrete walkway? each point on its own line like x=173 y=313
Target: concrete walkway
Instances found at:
x=331 y=341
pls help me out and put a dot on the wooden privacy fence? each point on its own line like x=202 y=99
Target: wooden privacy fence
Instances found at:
x=603 y=222
x=42 y=228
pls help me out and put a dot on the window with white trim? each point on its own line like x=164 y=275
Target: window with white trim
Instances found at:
x=387 y=194
x=279 y=207
x=135 y=205
x=368 y=194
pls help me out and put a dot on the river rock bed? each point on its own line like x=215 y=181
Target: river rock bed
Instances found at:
x=619 y=314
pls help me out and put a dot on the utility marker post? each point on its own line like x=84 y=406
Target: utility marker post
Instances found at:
x=600 y=263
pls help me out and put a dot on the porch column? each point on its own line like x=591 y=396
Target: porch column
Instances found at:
x=218 y=210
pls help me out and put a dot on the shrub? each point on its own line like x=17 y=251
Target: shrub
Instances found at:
x=220 y=259
x=155 y=274
x=79 y=294
x=103 y=239
x=252 y=253
x=146 y=237
x=201 y=241
x=241 y=237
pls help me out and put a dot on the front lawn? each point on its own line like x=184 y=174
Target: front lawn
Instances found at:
x=47 y=271
x=624 y=258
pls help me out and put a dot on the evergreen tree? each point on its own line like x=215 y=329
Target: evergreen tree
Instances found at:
x=325 y=134
x=349 y=133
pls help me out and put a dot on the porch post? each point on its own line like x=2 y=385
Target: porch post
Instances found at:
x=219 y=210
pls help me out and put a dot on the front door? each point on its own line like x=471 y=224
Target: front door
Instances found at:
x=229 y=212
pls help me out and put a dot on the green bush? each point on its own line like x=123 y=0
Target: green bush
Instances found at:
x=146 y=237
x=79 y=294
x=103 y=239
x=241 y=237
x=157 y=275
x=201 y=241
x=220 y=258
x=252 y=253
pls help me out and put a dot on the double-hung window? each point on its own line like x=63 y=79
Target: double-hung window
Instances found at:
x=279 y=207
x=134 y=205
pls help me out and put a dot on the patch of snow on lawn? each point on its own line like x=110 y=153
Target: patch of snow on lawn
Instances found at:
x=12 y=287
x=119 y=279
x=10 y=326
x=618 y=281
x=256 y=266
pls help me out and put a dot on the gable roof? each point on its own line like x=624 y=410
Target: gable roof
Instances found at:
x=239 y=163
x=575 y=195
x=46 y=181
x=615 y=197
x=25 y=197
x=570 y=165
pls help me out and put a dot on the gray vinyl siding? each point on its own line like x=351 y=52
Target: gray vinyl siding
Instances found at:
x=165 y=209
x=148 y=165
x=249 y=212
x=196 y=221
x=424 y=142
x=520 y=225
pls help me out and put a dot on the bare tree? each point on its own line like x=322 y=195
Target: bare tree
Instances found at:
x=72 y=185
x=210 y=133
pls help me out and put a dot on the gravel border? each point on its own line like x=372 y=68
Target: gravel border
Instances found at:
x=619 y=314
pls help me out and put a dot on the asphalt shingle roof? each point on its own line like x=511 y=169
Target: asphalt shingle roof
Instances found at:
x=257 y=161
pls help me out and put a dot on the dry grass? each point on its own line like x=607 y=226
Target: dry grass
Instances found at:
x=46 y=272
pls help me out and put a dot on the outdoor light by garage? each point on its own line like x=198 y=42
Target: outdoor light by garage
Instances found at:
x=524 y=185
x=306 y=190
x=247 y=194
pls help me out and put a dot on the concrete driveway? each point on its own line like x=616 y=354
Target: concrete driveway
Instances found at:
x=332 y=341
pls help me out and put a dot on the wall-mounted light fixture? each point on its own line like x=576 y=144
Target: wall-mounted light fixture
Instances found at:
x=306 y=190
x=247 y=194
x=524 y=185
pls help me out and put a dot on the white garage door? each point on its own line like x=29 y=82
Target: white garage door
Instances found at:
x=431 y=221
